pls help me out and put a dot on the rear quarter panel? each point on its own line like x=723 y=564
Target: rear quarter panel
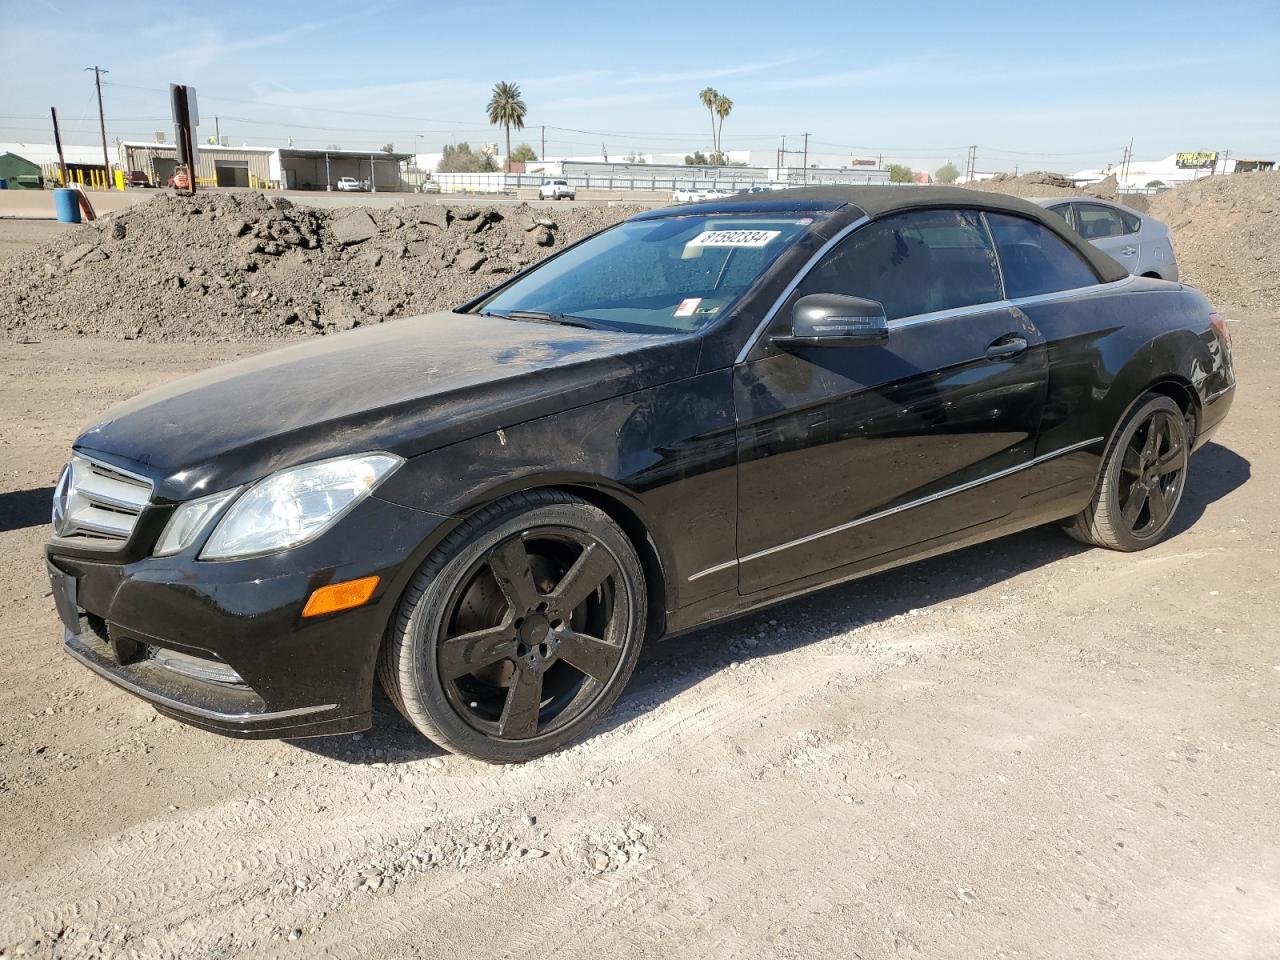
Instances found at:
x=1108 y=347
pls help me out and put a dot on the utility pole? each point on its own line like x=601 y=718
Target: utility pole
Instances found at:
x=806 y=158
x=217 y=133
x=102 y=123
x=57 y=142
x=971 y=162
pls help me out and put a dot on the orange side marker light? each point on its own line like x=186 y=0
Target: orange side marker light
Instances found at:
x=340 y=596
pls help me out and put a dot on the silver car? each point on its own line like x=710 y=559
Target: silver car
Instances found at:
x=1138 y=241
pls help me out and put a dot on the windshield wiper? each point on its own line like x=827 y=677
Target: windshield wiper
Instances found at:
x=542 y=316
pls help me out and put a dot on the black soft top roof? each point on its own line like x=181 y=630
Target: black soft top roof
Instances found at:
x=881 y=201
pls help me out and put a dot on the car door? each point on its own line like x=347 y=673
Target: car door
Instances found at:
x=1105 y=228
x=1077 y=318
x=846 y=453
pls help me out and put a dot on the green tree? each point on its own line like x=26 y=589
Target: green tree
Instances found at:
x=507 y=110
x=900 y=173
x=523 y=154
x=723 y=107
x=695 y=159
x=947 y=173
x=1154 y=184
x=388 y=148
x=460 y=158
x=709 y=96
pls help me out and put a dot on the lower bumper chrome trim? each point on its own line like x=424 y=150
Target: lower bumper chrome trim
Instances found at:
x=70 y=644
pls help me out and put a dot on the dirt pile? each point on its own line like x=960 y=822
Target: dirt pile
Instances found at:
x=1041 y=183
x=1225 y=237
x=249 y=267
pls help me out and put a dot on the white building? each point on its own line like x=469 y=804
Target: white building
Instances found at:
x=1169 y=172
x=44 y=154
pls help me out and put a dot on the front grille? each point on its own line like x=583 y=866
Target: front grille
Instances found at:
x=96 y=505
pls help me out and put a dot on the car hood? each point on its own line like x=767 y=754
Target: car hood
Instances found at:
x=407 y=387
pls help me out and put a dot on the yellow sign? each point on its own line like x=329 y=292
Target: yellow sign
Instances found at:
x=1199 y=160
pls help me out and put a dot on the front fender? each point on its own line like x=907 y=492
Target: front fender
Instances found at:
x=666 y=454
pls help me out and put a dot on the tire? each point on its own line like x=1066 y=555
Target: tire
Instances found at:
x=519 y=631
x=1142 y=482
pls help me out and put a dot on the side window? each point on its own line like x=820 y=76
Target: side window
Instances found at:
x=1132 y=224
x=913 y=263
x=1064 y=211
x=1036 y=261
x=1096 y=221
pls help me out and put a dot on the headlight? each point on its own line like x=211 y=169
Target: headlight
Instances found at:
x=188 y=520
x=296 y=505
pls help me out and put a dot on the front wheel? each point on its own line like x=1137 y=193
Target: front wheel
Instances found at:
x=520 y=630
x=1143 y=478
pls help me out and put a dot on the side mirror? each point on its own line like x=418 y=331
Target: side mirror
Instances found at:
x=834 y=320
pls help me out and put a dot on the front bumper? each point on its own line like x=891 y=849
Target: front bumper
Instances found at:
x=223 y=645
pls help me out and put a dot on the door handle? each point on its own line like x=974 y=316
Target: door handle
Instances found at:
x=1006 y=347
x=1129 y=251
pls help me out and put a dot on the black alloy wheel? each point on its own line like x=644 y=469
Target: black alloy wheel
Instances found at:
x=1143 y=479
x=520 y=630
x=1151 y=473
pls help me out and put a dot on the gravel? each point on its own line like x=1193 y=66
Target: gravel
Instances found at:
x=252 y=267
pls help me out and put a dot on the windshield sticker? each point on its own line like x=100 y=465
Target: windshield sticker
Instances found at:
x=687 y=307
x=734 y=238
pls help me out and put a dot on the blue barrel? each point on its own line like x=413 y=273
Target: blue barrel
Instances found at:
x=67 y=205
x=4 y=184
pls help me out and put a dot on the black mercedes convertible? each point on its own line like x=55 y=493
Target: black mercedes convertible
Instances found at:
x=697 y=412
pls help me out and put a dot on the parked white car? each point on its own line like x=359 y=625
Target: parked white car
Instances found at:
x=1140 y=242
x=557 y=190
x=693 y=194
x=350 y=183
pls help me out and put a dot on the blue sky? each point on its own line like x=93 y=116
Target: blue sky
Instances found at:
x=914 y=81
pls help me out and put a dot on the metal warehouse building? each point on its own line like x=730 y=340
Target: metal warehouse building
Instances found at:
x=215 y=166
x=293 y=169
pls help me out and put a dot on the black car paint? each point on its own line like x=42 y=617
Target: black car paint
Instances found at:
x=706 y=462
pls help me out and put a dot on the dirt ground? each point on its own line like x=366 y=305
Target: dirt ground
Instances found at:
x=17 y=236
x=1028 y=749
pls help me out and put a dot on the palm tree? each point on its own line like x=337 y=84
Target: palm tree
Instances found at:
x=709 y=96
x=507 y=110
x=723 y=108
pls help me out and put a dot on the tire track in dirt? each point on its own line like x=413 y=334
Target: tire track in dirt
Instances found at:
x=700 y=732
x=256 y=839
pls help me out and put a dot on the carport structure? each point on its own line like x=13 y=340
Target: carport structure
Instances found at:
x=320 y=169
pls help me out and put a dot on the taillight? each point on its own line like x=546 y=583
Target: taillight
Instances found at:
x=1216 y=321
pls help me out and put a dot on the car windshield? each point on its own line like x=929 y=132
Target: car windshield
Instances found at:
x=667 y=275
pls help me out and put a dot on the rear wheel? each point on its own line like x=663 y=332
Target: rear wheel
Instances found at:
x=519 y=631
x=1143 y=479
